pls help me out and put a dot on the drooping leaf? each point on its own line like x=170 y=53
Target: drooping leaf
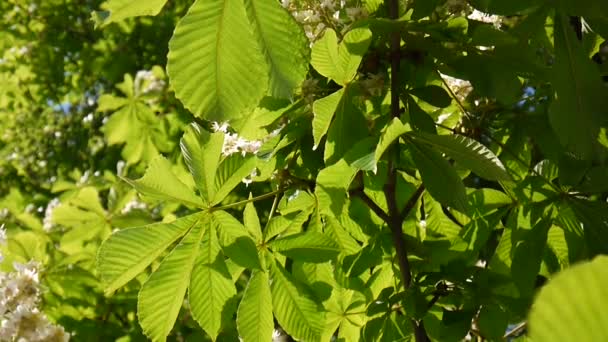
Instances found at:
x=574 y=114
x=129 y=251
x=468 y=152
x=211 y=288
x=215 y=65
x=283 y=44
x=571 y=307
x=324 y=110
x=307 y=246
x=348 y=128
x=254 y=318
x=117 y=10
x=159 y=182
x=439 y=177
x=393 y=131
x=527 y=257
x=235 y=240
x=162 y=295
x=294 y=307
x=201 y=151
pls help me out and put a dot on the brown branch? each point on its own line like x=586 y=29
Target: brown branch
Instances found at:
x=395 y=217
x=370 y=203
x=411 y=202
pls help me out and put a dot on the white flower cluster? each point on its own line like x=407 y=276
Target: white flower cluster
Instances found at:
x=20 y=318
x=315 y=16
x=486 y=18
x=147 y=83
x=47 y=221
x=132 y=205
x=235 y=144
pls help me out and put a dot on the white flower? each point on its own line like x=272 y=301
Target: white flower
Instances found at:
x=47 y=221
x=249 y=179
x=356 y=13
x=217 y=127
x=486 y=18
x=132 y=205
x=328 y=5
x=146 y=82
x=3 y=237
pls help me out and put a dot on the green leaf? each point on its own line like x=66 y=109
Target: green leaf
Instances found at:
x=162 y=295
x=201 y=151
x=254 y=318
x=211 y=288
x=419 y=119
x=159 y=182
x=333 y=181
x=347 y=243
x=574 y=114
x=572 y=306
x=493 y=321
x=392 y=132
x=439 y=177
x=294 y=308
x=307 y=246
x=348 y=128
x=468 y=153
x=138 y=128
x=215 y=64
x=117 y=10
x=129 y=251
x=528 y=256
x=235 y=241
x=593 y=219
x=283 y=44
x=340 y=62
x=231 y=173
x=432 y=94
x=324 y=110
x=252 y=222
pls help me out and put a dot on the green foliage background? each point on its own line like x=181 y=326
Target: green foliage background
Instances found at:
x=406 y=170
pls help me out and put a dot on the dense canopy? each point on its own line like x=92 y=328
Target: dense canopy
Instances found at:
x=335 y=170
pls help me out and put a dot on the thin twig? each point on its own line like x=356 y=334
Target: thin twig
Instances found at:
x=253 y=199
x=411 y=202
x=517 y=330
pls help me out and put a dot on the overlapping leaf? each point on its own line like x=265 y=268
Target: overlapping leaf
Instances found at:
x=202 y=151
x=283 y=44
x=254 y=317
x=129 y=251
x=211 y=287
x=294 y=308
x=159 y=182
x=162 y=295
x=468 y=152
